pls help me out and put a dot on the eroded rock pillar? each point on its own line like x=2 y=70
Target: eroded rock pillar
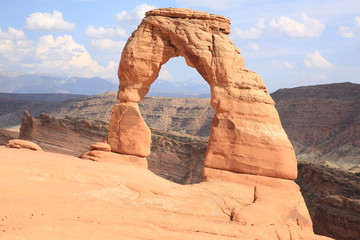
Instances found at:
x=128 y=132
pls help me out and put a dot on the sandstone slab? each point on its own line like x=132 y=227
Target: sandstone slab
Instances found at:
x=101 y=146
x=107 y=156
x=18 y=143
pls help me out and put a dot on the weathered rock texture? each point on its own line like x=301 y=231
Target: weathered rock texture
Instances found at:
x=19 y=143
x=246 y=133
x=46 y=194
x=323 y=123
x=128 y=132
x=333 y=199
x=71 y=136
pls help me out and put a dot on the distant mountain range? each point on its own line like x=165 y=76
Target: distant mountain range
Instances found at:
x=45 y=83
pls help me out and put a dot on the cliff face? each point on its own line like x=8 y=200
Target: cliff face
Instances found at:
x=333 y=199
x=323 y=123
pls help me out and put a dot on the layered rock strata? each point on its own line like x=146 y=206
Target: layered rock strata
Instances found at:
x=246 y=133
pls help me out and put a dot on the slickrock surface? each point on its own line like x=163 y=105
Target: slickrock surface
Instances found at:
x=246 y=133
x=46 y=194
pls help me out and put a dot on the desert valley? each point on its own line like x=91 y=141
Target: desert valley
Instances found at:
x=242 y=164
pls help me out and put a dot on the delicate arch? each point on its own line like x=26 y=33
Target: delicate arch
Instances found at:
x=246 y=133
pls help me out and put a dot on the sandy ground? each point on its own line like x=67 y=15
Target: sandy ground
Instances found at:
x=51 y=196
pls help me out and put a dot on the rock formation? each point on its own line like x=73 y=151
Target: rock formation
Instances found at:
x=246 y=133
x=247 y=143
x=18 y=143
x=333 y=199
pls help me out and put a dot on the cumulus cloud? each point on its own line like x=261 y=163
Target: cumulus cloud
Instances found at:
x=315 y=60
x=165 y=74
x=102 y=32
x=252 y=33
x=107 y=45
x=12 y=34
x=346 y=32
x=48 y=22
x=350 y=32
x=61 y=56
x=134 y=16
x=213 y=4
x=307 y=28
x=13 y=51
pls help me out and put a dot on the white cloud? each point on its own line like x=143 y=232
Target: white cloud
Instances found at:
x=48 y=22
x=357 y=21
x=315 y=60
x=107 y=45
x=252 y=33
x=346 y=32
x=15 y=50
x=165 y=74
x=308 y=28
x=101 y=32
x=350 y=32
x=60 y=56
x=12 y=34
x=253 y=46
x=134 y=16
x=287 y=65
x=213 y=4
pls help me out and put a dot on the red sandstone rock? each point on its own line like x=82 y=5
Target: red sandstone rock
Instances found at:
x=18 y=143
x=246 y=133
x=101 y=146
x=106 y=156
x=128 y=133
x=69 y=198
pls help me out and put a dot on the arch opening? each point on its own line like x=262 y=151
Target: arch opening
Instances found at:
x=177 y=110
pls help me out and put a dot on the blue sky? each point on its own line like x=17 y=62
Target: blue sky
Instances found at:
x=288 y=43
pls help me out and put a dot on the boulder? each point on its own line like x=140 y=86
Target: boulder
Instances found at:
x=18 y=143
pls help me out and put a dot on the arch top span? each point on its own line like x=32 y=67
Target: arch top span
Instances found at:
x=246 y=133
x=199 y=37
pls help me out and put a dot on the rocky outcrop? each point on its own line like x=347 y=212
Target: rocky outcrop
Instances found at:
x=246 y=133
x=174 y=156
x=247 y=144
x=333 y=199
x=18 y=143
x=71 y=136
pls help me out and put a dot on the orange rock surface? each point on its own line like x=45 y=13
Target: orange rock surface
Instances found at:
x=128 y=132
x=51 y=196
x=19 y=143
x=246 y=133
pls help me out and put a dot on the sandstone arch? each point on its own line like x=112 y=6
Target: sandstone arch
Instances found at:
x=246 y=133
